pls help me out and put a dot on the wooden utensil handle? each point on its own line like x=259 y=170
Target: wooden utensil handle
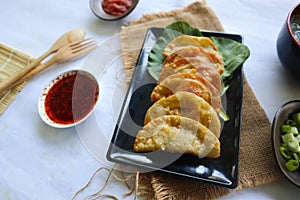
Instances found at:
x=12 y=81
x=31 y=73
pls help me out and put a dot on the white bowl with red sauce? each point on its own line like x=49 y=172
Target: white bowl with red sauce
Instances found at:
x=69 y=99
x=112 y=10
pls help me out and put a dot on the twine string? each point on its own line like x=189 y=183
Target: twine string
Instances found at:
x=118 y=175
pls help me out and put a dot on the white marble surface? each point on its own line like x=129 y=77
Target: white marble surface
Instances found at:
x=40 y=162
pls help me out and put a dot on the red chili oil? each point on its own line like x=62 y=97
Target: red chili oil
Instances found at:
x=116 y=7
x=71 y=98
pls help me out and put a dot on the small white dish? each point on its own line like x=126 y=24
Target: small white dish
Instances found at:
x=68 y=99
x=97 y=9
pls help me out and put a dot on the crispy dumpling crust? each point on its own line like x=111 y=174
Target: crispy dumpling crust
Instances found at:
x=189 y=82
x=188 y=105
x=191 y=65
x=204 y=43
x=179 y=135
x=188 y=40
x=180 y=82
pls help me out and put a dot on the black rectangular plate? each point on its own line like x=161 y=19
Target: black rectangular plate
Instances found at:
x=222 y=171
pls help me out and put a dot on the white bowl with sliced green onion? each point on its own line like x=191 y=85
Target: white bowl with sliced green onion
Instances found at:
x=286 y=140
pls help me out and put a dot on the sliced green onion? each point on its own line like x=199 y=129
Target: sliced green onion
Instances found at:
x=293 y=146
x=295 y=156
x=288 y=137
x=296 y=118
x=290 y=147
x=285 y=152
x=291 y=122
x=292 y=165
x=284 y=145
x=285 y=128
x=289 y=129
x=294 y=130
x=298 y=138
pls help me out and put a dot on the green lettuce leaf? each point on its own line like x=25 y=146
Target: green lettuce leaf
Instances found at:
x=234 y=54
x=184 y=28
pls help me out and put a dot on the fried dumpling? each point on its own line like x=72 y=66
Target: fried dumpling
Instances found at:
x=188 y=65
x=189 y=82
x=188 y=105
x=204 y=43
x=189 y=40
x=179 y=82
x=178 y=135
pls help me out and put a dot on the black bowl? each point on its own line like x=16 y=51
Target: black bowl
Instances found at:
x=288 y=48
x=282 y=114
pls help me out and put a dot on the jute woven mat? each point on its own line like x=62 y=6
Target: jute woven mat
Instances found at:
x=257 y=165
x=11 y=61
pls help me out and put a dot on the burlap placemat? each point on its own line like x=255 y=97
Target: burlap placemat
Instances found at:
x=11 y=61
x=257 y=165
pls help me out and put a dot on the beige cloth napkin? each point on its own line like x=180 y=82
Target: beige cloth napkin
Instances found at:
x=257 y=165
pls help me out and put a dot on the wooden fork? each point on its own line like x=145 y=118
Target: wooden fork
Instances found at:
x=67 y=52
x=73 y=50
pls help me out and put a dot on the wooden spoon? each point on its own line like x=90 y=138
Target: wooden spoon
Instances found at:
x=68 y=37
x=71 y=51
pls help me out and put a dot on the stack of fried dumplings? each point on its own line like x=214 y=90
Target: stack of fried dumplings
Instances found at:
x=184 y=117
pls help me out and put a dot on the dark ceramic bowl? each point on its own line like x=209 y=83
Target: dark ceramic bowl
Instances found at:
x=288 y=48
x=96 y=7
x=282 y=114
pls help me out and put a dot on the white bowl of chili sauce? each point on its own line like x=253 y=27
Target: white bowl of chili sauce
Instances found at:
x=68 y=99
x=111 y=10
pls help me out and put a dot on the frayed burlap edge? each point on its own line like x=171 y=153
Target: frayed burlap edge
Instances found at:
x=191 y=13
x=194 y=191
x=144 y=186
x=212 y=192
x=198 y=192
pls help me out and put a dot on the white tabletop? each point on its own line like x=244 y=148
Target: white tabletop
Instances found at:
x=41 y=162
